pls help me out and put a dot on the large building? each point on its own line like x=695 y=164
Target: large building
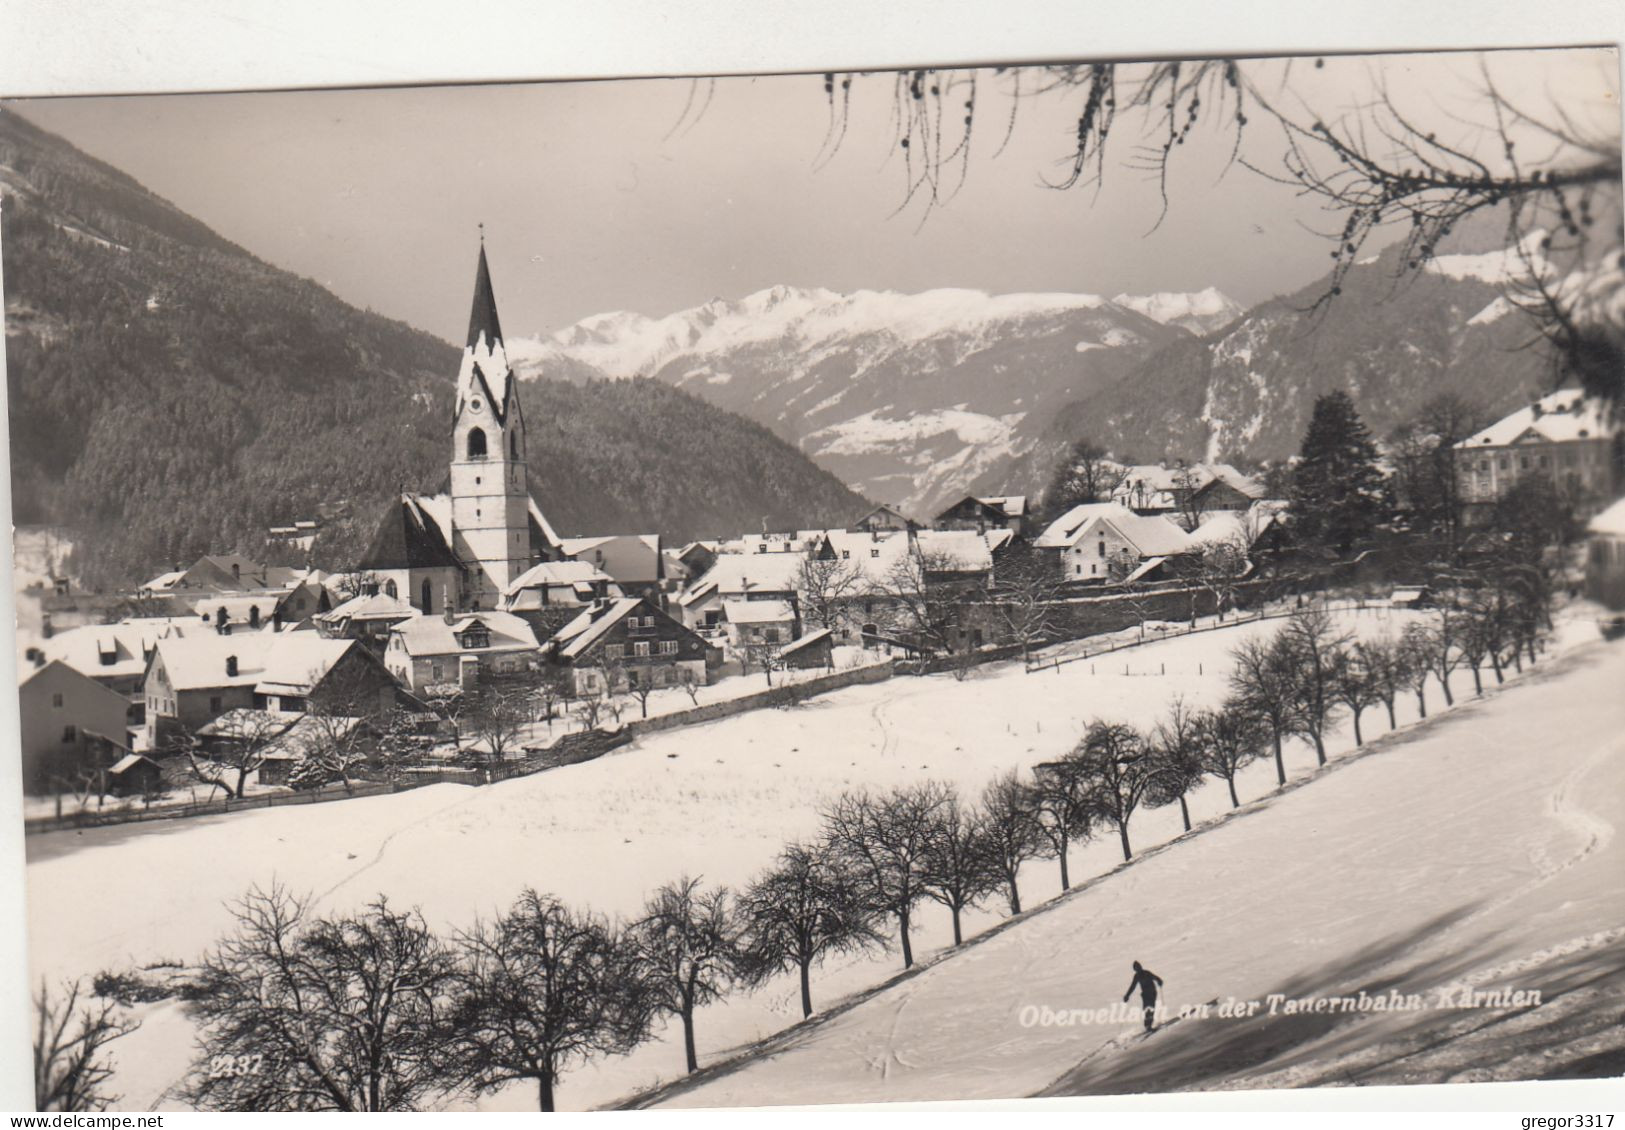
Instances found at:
x=1565 y=437
x=465 y=548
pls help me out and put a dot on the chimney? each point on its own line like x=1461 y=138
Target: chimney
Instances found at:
x=236 y=571
x=231 y=666
x=1538 y=410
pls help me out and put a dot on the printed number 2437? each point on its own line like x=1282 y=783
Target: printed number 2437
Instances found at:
x=221 y=1066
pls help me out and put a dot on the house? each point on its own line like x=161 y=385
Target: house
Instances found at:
x=70 y=724
x=883 y=518
x=981 y=513
x=615 y=644
x=191 y=681
x=633 y=561
x=1188 y=489
x=115 y=655
x=213 y=572
x=367 y=617
x=760 y=623
x=737 y=577
x=1605 y=558
x=1565 y=438
x=814 y=650
x=300 y=739
x=460 y=649
x=135 y=774
x=1100 y=541
x=554 y=583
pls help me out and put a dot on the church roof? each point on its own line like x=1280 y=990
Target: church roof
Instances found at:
x=409 y=537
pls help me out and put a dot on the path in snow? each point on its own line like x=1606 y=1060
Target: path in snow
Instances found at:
x=1478 y=850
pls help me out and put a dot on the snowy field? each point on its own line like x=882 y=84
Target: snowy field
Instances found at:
x=719 y=800
x=1477 y=853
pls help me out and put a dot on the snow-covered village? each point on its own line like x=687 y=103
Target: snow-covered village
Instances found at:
x=842 y=692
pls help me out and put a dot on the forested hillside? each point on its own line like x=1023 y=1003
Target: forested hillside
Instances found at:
x=170 y=394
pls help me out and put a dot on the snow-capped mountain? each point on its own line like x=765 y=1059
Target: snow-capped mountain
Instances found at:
x=1392 y=338
x=1201 y=312
x=907 y=397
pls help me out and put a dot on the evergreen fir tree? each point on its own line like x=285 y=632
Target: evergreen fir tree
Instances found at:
x=1338 y=494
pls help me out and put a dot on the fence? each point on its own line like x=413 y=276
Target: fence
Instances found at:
x=783 y=695
x=1105 y=647
x=92 y=818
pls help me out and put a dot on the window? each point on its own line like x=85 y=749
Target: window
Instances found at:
x=1080 y=569
x=476 y=443
x=641 y=649
x=436 y=676
x=69 y=734
x=56 y=701
x=426 y=596
x=874 y=553
x=668 y=647
x=614 y=650
x=513 y=445
x=762 y=548
x=1503 y=463
x=214 y=704
x=1102 y=549
x=846 y=555
x=1094 y=570
x=770 y=635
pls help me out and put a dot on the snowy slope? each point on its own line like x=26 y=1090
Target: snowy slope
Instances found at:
x=907 y=397
x=1201 y=312
x=1475 y=854
x=716 y=800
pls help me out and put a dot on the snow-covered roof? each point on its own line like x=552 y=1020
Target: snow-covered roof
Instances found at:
x=377 y=606
x=589 y=627
x=963 y=551
x=1144 y=567
x=740 y=573
x=558 y=573
x=164 y=581
x=1151 y=535
x=806 y=641
x=431 y=635
x=244 y=720
x=284 y=659
x=1610 y=522
x=757 y=611
x=127 y=643
x=1556 y=417
x=129 y=761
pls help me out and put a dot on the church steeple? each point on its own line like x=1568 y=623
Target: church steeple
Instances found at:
x=484 y=371
x=483 y=318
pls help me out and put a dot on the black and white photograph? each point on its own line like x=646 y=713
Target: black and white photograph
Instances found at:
x=924 y=583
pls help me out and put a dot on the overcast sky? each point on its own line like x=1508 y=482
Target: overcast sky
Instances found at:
x=602 y=196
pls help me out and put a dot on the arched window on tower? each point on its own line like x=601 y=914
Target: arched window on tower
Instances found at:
x=427 y=596
x=513 y=445
x=476 y=443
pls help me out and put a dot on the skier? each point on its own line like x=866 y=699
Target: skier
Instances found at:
x=1148 y=983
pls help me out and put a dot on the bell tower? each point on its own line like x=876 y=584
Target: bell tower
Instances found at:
x=490 y=498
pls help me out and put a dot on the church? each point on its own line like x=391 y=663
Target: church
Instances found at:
x=462 y=550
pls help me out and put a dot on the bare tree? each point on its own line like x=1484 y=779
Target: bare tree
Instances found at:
x=800 y=910
x=642 y=687
x=588 y=708
x=1118 y=771
x=689 y=684
x=1313 y=649
x=1224 y=564
x=1175 y=764
x=540 y=990
x=1227 y=740
x=1188 y=482
x=341 y=1013
x=1263 y=682
x=1060 y=803
x=925 y=604
x=825 y=587
x=71 y=1035
x=1417 y=645
x=496 y=716
x=1085 y=475
x=1446 y=656
x=954 y=869
x=1355 y=684
x=1027 y=588
x=241 y=740
x=1009 y=833
x=1384 y=664
x=687 y=946
x=885 y=841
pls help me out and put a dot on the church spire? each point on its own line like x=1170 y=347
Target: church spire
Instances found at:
x=483 y=318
